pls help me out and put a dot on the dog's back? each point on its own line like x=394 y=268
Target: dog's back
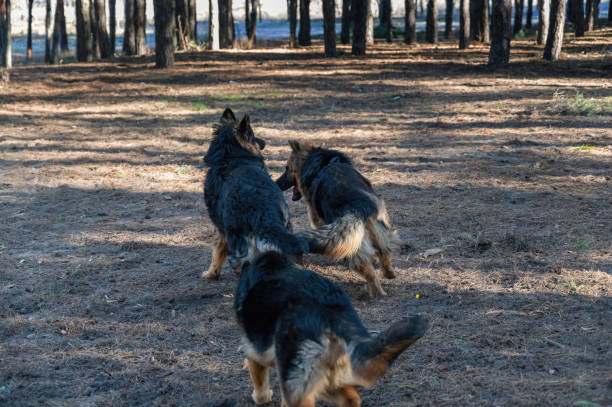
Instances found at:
x=308 y=323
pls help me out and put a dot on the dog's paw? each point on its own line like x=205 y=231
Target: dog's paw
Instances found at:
x=262 y=397
x=211 y=275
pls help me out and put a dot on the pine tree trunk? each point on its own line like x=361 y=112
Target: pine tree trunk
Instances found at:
x=164 y=33
x=431 y=29
x=48 y=30
x=345 y=33
x=518 y=15
x=250 y=21
x=6 y=51
x=554 y=42
x=609 y=11
x=112 y=16
x=464 y=24
x=579 y=9
x=448 y=19
x=29 y=46
x=478 y=19
x=54 y=59
x=590 y=14
x=83 y=31
x=292 y=15
x=304 y=33
x=410 y=22
x=63 y=33
x=140 y=26
x=129 y=28
x=501 y=32
x=226 y=24
x=484 y=22
x=194 y=20
x=100 y=28
x=182 y=23
x=359 y=11
x=369 y=23
x=95 y=46
x=213 y=25
x=385 y=19
x=529 y=14
x=329 y=27
x=543 y=21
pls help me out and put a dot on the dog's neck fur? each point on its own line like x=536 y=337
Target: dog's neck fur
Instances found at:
x=317 y=160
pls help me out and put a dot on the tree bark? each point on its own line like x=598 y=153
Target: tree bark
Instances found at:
x=100 y=29
x=54 y=58
x=164 y=33
x=6 y=51
x=579 y=10
x=369 y=23
x=213 y=25
x=345 y=33
x=590 y=15
x=226 y=24
x=543 y=21
x=191 y=5
x=501 y=32
x=529 y=14
x=385 y=19
x=83 y=31
x=140 y=27
x=95 y=46
x=304 y=33
x=609 y=11
x=129 y=33
x=410 y=22
x=479 y=20
x=250 y=21
x=48 y=29
x=63 y=34
x=292 y=15
x=112 y=15
x=359 y=11
x=182 y=23
x=518 y=15
x=431 y=29
x=554 y=42
x=448 y=18
x=329 y=27
x=464 y=24
x=29 y=46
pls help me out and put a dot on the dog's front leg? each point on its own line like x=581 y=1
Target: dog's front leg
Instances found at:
x=260 y=375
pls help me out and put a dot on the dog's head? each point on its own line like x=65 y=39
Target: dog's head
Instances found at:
x=293 y=169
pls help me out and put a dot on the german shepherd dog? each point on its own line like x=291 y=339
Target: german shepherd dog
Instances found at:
x=304 y=325
x=350 y=221
x=245 y=205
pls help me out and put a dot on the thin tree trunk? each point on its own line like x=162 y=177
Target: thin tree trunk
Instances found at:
x=579 y=9
x=448 y=18
x=292 y=16
x=369 y=23
x=112 y=15
x=345 y=33
x=29 y=47
x=329 y=27
x=100 y=28
x=360 y=10
x=501 y=32
x=304 y=33
x=609 y=11
x=484 y=22
x=6 y=51
x=590 y=15
x=554 y=42
x=431 y=29
x=571 y=11
x=164 y=33
x=213 y=25
x=48 y=30
x=385 y=12
x=182 y=23
x=529 y=14
x=251 y=21
x=95 y=46
x=54 y=59
x=194 y=20
x=63 y=33
x=543 y=21
x=464 y=24
x=410 y=22
x=226 y=24
x=129 y=28
x=518 y=15
x=140 y=27
x=83 y=31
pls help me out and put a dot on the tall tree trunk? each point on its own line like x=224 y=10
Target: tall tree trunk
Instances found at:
x=182 y=23
x=140 y=27
x=63 y=33
x=554 y=42
x=543 y=21
x=83 y=31
x=518 y=15
x=579 y=9
x=55 y=37
x=571 y=11
x=226 y=24
x=464 y=24
x=129 y=28
x=95 y=45
x=369 y=23
x=329 y=27
x=360 y=10
x=100 y=29
x=501 y=32
x=29 y=47
x=385 y=19
x=304 y=33
x=6 y=51
x=431 y=28
x=609 y=11
x=410 y=22
x=112 y=15
x=48 y=30
x=292 y=15
x=250 y=21
x=164 y=33
x=590 y=15
x=194 y=20
x=477 y=10
x=448 y=18
x=529 y=14
x=213 y=25
x=421 y=7
x=347 y=18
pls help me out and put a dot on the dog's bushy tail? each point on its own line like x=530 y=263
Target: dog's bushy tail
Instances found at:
x=370 y=359
x=281 y=239
x=340 y=239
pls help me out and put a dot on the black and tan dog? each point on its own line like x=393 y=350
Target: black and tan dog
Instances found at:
x=350 y=220
x=304 y=325
x=246 y=206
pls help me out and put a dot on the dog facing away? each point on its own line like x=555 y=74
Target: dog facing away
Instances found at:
x=245 y=205
x=350 y=221
x=304 y=325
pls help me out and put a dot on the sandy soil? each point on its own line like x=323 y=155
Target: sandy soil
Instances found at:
x=104 y=234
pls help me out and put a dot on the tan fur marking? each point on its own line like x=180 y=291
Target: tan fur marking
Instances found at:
x=374 y=287
x=261 y=382
x=219 y=255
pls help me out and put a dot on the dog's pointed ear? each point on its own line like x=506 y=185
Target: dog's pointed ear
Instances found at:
x=244 y=125
x=295 y=145
x=228 y=115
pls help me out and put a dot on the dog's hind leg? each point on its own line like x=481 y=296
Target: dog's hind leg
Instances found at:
x=260 y=375
x=374 y=287
x=345 y=396
x=385 y=264
x=219 y=255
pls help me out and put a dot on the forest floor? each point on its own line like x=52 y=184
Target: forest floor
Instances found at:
x=104 y=233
